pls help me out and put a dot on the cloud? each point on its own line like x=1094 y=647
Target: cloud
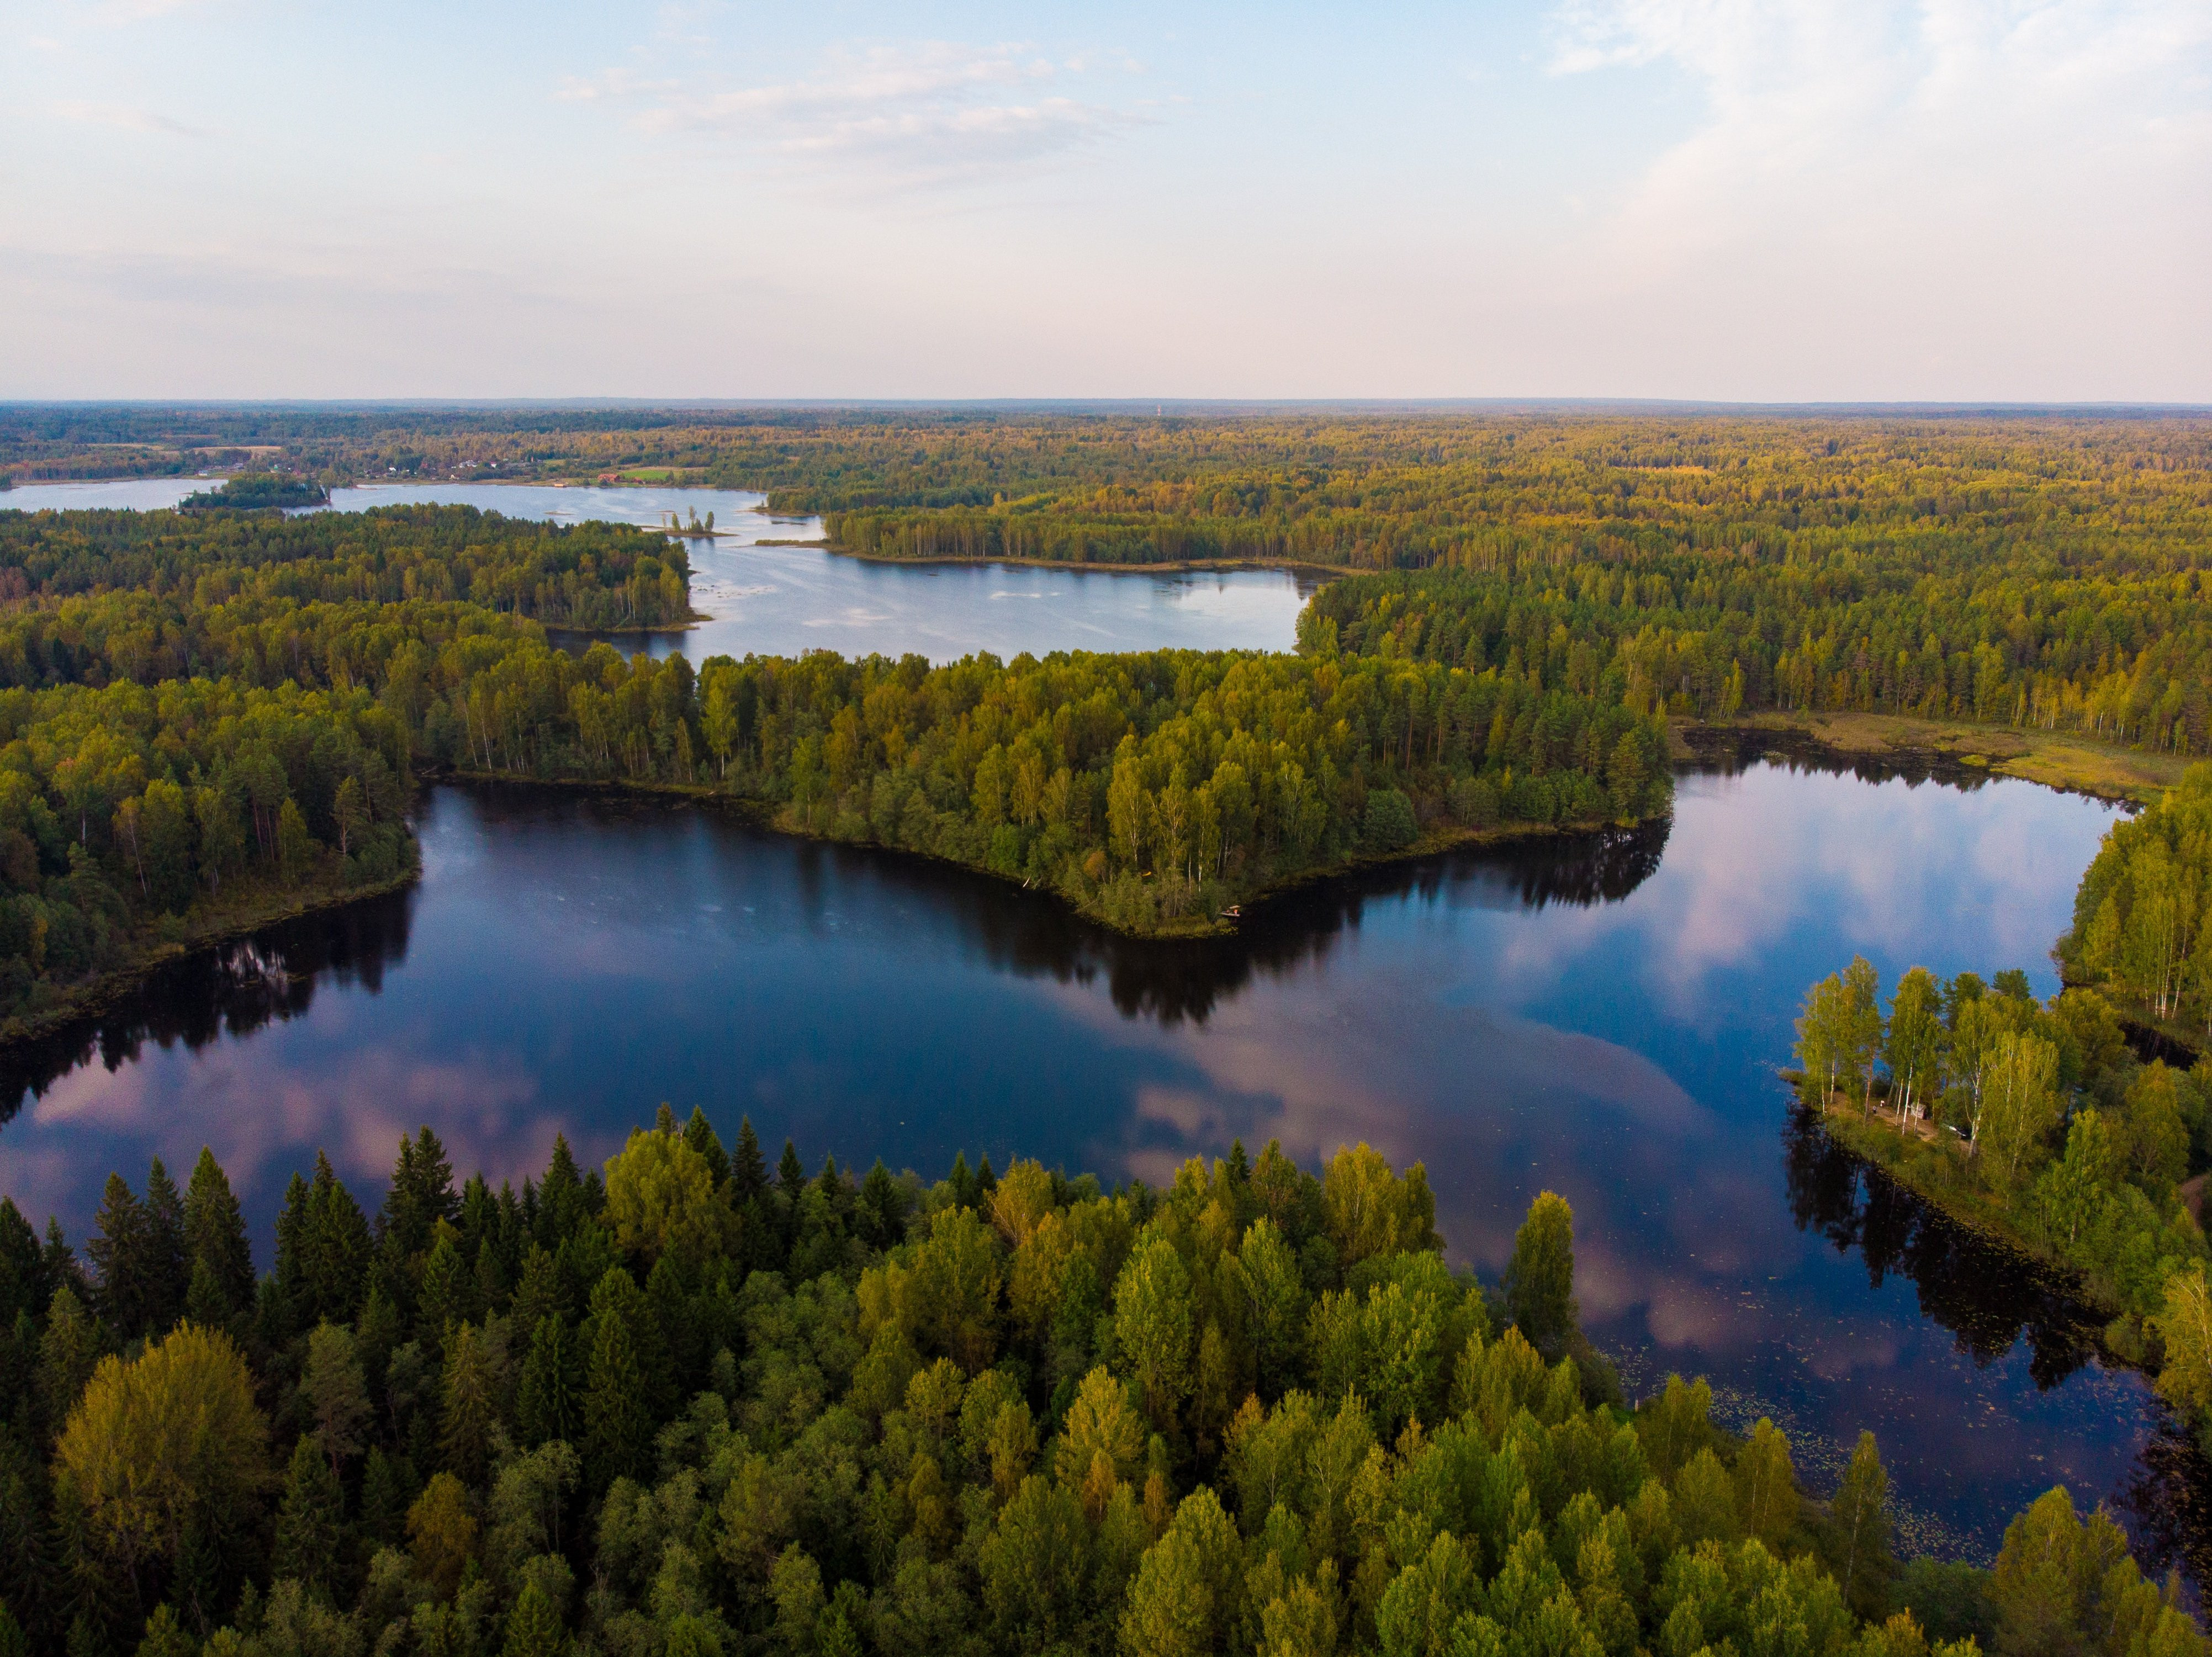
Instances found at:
x=1894 y=108
x=126 y=118
x=928 y=113
x=2000 y=195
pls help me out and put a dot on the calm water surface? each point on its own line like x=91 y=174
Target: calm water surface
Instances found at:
x=784 y=600
x=1603 y=1017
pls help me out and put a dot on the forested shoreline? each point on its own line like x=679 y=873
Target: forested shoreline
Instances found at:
x=2040 y=1121
x=198 y=712
x=688 y=1404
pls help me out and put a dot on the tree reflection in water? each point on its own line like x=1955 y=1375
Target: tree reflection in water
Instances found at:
x=233 y=989
x=1990 y=1297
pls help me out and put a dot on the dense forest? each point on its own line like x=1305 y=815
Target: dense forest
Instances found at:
x=689 y=1405
x=202 y=710
x=2041 y=1121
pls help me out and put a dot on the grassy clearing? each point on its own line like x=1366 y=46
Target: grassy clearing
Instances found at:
x=2056 y=759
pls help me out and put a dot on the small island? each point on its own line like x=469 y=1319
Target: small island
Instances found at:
x=258 y=492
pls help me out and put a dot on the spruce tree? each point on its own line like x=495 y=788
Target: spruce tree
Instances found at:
x=791 y=1174
x=310 y=1520
x=561 y=1207
x=334 y=1247
x=748 y=1167
x=533 y=1627
x=216 y=1242
x=546 y=1405
x=616 y=1428
x=445 y=1297
x=167 y=1265
x=880 y=1214
x=701 y=1137
x=23 y=1286
x=120 y=1251
x=291 y=1294
x=469 y=1413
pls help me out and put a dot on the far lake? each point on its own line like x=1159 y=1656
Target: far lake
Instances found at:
x=783 y=600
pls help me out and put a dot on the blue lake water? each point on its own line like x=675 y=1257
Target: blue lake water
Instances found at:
x=786 y=599
x=1604 y=1019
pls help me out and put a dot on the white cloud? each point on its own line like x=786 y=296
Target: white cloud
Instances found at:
x=908 y=114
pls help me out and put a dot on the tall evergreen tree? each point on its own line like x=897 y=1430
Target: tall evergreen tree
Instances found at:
x=215 y=1241
x=23 y=1284
x=560 y=1205
x=546 y=1405
x=469 y=1413
x=422 y=1195
x=168 y=1267
x=617 y=1429
x=703 y=1138
x=121 y=1251
x=791 y=1174
x=748 y=1167
x=335 y=1248
x=310 y=1526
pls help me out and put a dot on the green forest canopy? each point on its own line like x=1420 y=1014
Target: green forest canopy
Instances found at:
x=690 y=1405
x=198 y=713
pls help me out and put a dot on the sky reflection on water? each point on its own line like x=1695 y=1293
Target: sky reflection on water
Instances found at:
x=1601 y=1016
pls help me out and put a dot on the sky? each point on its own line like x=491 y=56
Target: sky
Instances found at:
x=1735 y=200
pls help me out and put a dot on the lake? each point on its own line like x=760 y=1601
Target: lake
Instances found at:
x=784 y=600
x=1603 y=1016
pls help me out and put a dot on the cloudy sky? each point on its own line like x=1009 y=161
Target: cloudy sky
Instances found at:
x=1733 y=199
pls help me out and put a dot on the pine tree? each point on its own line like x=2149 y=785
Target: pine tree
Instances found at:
x=388 y=1487
x=310 y=1519
x=748 y=1167
x=546 y=1404
x=216 y=1242
x=539 y=1295
x=791 y=1174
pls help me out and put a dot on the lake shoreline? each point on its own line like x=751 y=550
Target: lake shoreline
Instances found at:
x=2061 y=761
x=100 y=994
x=776 y=818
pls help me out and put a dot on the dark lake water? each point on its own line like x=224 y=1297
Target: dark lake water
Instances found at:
x=1601 y=1016
x=774 y=599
